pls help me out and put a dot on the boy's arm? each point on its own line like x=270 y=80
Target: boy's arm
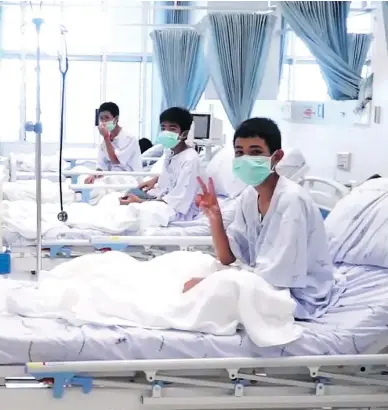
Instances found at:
x=220 y=240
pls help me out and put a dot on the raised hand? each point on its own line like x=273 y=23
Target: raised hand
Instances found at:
x=90 y=179
x=207 y=201
x=104 y=131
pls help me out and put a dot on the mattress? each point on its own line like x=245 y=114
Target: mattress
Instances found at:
x=28 y=175
x=199 y=227
x=352 y=326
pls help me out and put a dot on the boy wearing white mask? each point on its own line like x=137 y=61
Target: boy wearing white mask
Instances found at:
x=278 y=231
x=119 y=151
x=177 y=183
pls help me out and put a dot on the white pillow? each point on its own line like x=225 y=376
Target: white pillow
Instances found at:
x=293 y=165
x=155 y=151
x=158 y=166
x=221 y=171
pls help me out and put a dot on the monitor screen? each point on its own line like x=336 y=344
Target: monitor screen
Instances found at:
x=201 y=126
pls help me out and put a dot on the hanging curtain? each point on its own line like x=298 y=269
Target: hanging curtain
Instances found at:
x=179 y=56
x=384 y=5
x=1 y=30
x=239 y=48
x=283 y=47
x=322 y=25
x=165 y=16
x=358 y=45
x=173 y=16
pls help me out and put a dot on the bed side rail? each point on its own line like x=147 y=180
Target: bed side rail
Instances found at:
x=242 y=383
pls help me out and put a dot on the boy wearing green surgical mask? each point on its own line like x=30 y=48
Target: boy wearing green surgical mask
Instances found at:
x=119 y=151
x=176 y=184
x=278 y=231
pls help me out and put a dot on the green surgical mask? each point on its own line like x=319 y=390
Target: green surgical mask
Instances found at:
x=168 y=139
x=110 y=125
x=252 y=170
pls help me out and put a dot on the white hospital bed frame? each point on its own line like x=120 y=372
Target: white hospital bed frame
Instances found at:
x=14 y=174
x=309 y=382
x=324 y=199
x=354 y=381
x=147 y=246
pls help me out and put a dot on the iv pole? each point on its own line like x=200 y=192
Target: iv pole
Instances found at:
x=37 y=128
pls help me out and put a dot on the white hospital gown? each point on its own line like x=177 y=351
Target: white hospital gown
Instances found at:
x=288 y=248
x=127 y=151
x=177 y=184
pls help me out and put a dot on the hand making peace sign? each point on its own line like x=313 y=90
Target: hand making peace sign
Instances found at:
x=207 y=201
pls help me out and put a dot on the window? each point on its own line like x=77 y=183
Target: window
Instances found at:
x=10 y=86
x=82 y=98
x=124 y=32
x=86 y=29
x=123 y=87
x=109 y=58
x=301 y=77
x=50 y=98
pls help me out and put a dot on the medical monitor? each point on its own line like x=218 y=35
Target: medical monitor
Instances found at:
x=207 y=129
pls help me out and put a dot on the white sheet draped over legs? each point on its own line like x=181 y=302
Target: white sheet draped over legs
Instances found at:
x=115 y=289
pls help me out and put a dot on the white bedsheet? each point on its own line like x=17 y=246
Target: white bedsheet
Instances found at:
x=107 y=216
x=199 y=226
x=50 y=163
x=26 y=190
x=114 y=289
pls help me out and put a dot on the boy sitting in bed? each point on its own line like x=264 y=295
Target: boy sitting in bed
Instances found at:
x=278 y=231
x=177 y=184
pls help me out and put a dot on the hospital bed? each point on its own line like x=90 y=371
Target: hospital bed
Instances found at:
x=325 y=192
x=50 y=172
x=86 y=158
x=337 y=363
x=69 y=242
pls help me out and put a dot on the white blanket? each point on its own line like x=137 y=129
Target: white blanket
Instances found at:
x=107 y=216
x=114 y=289
x=26 y=190
x=50 y=163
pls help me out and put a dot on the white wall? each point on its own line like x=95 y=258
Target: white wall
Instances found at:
x=320 y=143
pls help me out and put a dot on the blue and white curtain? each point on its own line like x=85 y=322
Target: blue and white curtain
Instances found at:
x=322 y=25
x=384 y=5
x=238 y=54
x=173 y=15
x=179 y=56
x=1 y=29
x=283 y=46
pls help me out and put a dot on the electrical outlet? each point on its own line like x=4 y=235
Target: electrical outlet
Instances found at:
x=344 y=161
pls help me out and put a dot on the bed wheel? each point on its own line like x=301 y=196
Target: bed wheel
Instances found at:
x=33 y=272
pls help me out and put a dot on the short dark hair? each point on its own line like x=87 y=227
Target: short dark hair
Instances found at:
x=110 y=107
x=179 y=116
x=264 y=128
x=144 y=144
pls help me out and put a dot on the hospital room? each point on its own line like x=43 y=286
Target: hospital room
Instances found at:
x=193 y=204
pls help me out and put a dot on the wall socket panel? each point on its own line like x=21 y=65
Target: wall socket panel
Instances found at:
x=344 y=161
